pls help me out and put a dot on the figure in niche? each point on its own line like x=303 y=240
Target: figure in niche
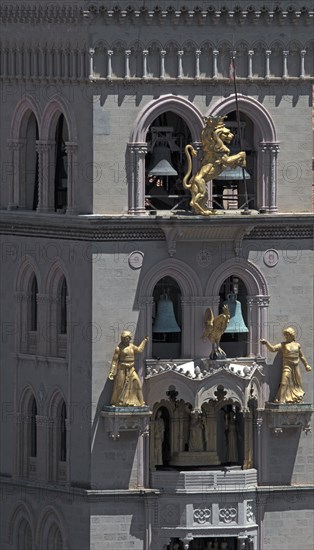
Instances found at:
x=231 y=431
x=196 y=436
x=290 y=389
x=159 y=434
x=127 y=389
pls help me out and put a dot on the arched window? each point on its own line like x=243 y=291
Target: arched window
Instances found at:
x=62 y=435
x=33 y=305
x=235 y=188
x=31 y=164
x=33 y=429
x=165 y=163
x=24 y=536
x=54 y=539
x=166 y=328
x=58 y=446
x=61 y=168
x=234 y=341
x=63 y=307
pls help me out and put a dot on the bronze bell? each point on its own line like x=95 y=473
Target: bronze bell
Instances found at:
x=161 y=162
x=165 y=320
x=236 y=322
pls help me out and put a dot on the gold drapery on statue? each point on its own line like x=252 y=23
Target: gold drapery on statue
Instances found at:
x=290 y=389
x=127 y=388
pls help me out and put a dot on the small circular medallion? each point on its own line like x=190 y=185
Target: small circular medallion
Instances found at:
x=271 y=257
x=135 y=259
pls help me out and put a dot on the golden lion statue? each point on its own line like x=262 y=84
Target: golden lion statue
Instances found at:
x=216 y=157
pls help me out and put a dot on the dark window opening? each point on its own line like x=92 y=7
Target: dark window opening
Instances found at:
x=61 y=174
x=165 y=164
x=33 y=305
x=63 y=435
x=33 y=429
x=63 y=307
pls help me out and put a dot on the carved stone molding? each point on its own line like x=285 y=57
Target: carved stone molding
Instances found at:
x=125 y=419
x=283 y=416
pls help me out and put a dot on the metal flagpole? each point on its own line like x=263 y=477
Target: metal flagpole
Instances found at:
x=232 y=76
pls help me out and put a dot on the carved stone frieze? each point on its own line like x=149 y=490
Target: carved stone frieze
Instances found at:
x=283 y=416
x=228 y=514
x=201 y=515
x=125 y=419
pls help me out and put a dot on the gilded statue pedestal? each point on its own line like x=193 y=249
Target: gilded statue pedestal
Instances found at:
x=122 y=419
x=195 y=458
x=283 y=416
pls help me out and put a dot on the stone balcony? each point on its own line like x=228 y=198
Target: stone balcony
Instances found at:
x=204 y=481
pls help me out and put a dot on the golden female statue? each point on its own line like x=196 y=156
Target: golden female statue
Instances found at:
x=290 y=390
x=127 y=389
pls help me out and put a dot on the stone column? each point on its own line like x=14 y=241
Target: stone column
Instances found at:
x=180 y=65
x=35 y=62
x=145 y=59
x=127 y=54
x=188 y=326
x=250 y=68
x=215 y=64
x=251 y=326
x=267 y=72
x=20 y=322
x=136 y=178
x=27 y=62
x=248 y=439
x=43 y=63
x=91 y=52
x=46 y=170
x=109 y=64
x=162 y=64
x=146 y=304
x=285 y=54
x=17 y=192
x=197 y=64
x=71 y=151
x=82 y=64
x=268 y=176
x=42 y=325
x=42 y=465
x=5 y=62
x=302 y=60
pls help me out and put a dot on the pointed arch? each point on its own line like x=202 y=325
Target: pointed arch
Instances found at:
x=266 y=144
x=26 y=456
x=257 y=297
x=54 y=108
x=58 y=437
x=25 y=107
x=23 y=512
x=178 y=105
x=57 y=288
x=51 y=521
x=137 y=146
x=27 y=288
x=191 y=290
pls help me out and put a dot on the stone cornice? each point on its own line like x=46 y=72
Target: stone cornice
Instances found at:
x=159 y=228
x=162 y=10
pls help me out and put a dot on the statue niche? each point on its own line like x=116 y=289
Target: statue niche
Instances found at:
x=230 y=435
x=161 y=437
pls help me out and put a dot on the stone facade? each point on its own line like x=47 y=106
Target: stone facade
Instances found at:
x=86 y=248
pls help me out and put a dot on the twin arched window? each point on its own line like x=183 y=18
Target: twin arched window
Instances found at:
x=43 y=168
x=32 y=336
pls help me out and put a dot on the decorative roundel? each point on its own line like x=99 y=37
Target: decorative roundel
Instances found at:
x=204 y=258
x=271 y=257
x=135 y=259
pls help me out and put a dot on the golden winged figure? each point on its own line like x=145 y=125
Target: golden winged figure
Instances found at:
x=214 y=329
